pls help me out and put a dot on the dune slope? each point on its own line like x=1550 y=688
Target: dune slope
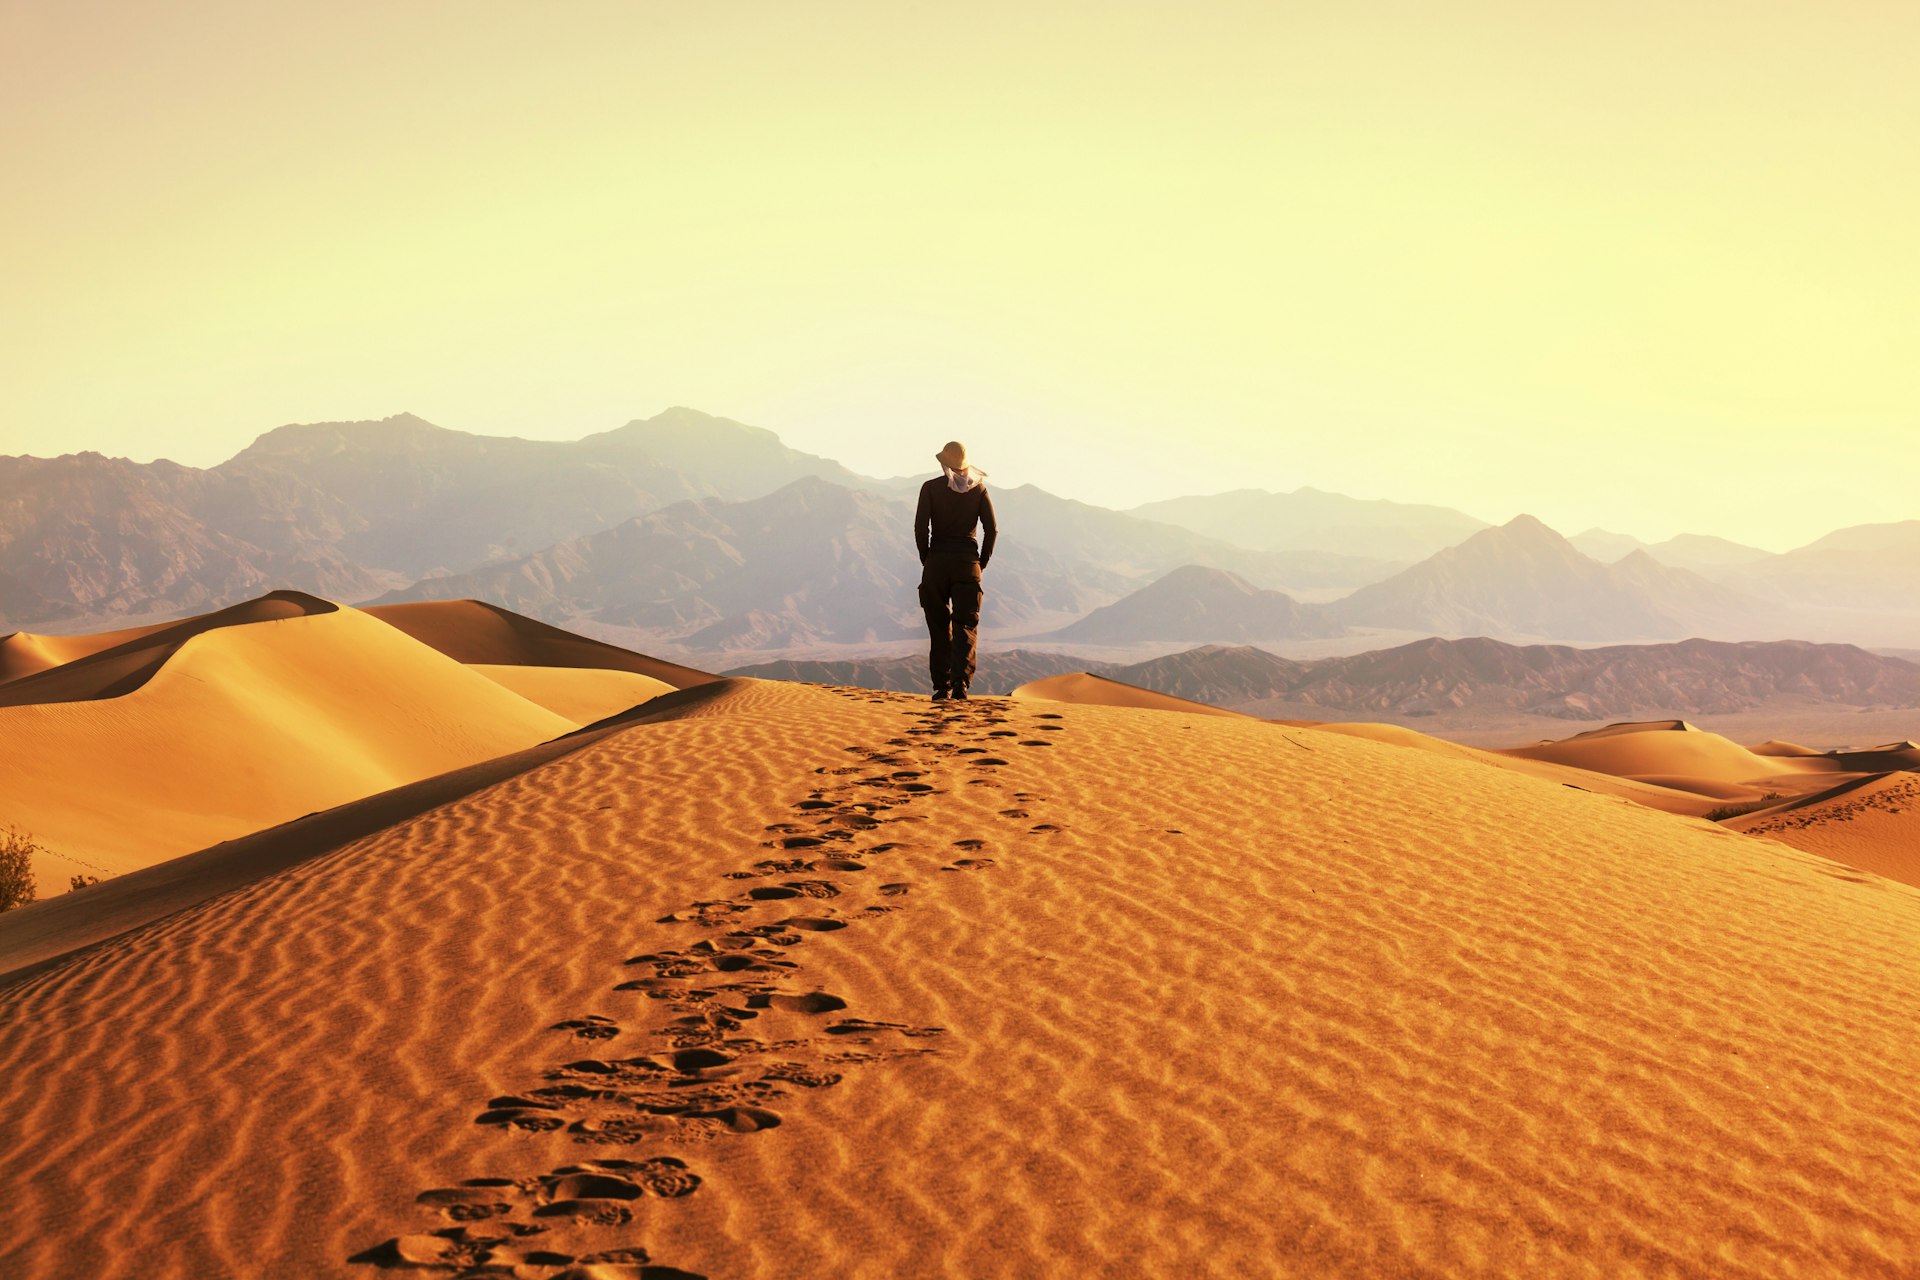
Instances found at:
x=239 y=727
x=1083 y=688
x=1872 y=823
x=819 y=983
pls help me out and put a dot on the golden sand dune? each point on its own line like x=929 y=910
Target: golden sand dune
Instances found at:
x=1689 y=802
x=581 y=695
x=1872 y=823
x=23 y=653
x=1676 y=755
x=118 y=662
x=832 y=983
x=1775 y=747
x=1088 y=690
x=233 y=724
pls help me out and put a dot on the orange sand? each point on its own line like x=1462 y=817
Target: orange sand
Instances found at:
x=1872 y=823
x=23 y=653
x=231 y=728
x=1118 y=993
x=1085 y=689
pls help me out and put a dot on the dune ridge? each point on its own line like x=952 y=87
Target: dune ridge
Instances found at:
x=238 y=721
x=1346 y=1009
x=118 y=662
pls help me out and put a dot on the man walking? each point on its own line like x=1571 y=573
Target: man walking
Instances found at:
x=951 y=565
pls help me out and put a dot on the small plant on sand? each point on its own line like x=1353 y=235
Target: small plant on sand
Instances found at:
x=1726 y=811
x=16 y=868
x=81 y=882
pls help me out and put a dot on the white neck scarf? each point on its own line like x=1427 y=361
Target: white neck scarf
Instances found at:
x=964 y=479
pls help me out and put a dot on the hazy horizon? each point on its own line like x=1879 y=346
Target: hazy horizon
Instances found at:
x=1639 y=269
x=1008 y=479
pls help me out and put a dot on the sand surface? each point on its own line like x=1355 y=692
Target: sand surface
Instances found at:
x=580 y=695
x=799 y=982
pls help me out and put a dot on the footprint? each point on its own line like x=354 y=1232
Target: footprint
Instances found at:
x=988 y=761
x=969 y=864
x=895 y=890
x=591 y=1027
x=1036 y=743
x=816 y=924
x=1015 y=813
x=969 y=844
x=1042 y=828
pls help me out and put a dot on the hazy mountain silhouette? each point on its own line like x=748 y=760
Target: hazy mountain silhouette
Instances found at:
x=1523 y=579
x=87 y=539
x=420 y=499
x=1873 y=568
x=1311 y=520
x=351 y=510
x=811 y=563
x=1132 y=547
x=1198 y=603
x=1431 y=677
x=1693 y=677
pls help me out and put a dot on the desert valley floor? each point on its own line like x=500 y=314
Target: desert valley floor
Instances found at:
x=761 y=979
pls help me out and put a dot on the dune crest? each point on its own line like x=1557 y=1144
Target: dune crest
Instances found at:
x=234 y=722
x=109 y=670
x=1088 y=690
x=480 y=634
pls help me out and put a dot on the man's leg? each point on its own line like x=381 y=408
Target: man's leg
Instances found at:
x=966 y=625
x=933 y=602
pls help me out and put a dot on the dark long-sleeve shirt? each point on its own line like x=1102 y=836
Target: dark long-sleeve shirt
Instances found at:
x=945 y=520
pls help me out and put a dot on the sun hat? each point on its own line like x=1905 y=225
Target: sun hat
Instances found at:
x=953 y=457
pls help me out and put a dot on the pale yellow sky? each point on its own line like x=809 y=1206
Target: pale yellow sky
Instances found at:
x=1642 y=265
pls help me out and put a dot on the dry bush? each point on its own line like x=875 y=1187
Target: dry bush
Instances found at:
x=16 y=868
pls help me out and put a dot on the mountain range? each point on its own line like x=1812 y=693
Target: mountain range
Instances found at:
x=1430 y=677
x=712 y=535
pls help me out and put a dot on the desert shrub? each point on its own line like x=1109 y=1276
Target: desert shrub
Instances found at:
x=81 y=882
x=16 y=868
x=1726 y=811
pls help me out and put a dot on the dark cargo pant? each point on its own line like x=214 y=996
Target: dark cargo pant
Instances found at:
x=950 y=595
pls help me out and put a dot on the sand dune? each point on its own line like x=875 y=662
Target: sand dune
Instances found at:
x=581 y=695
x=23 y=653
x=1872 y=823
x=234 y=723
x=1087 y=690
x=477 y=633
x=1676 y=755
x=118 y=662
x=1775 y=747
x=1688 y=802
x=808 y=982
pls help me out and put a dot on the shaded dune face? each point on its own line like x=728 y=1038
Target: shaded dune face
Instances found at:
x=827 y=982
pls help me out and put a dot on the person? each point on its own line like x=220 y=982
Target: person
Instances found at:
x=951 y=565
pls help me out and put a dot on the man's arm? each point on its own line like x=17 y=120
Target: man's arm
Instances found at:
x=923 y=525
x=989 y=530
